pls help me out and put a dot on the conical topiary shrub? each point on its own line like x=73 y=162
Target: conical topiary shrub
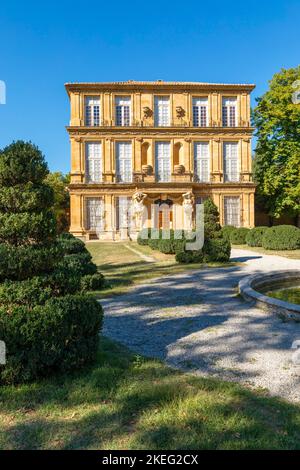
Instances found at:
x=45 y=322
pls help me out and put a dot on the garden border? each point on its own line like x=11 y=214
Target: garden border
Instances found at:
x=286 y=310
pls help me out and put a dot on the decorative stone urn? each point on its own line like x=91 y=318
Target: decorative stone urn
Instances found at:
x=179 y=169
x=147 y=169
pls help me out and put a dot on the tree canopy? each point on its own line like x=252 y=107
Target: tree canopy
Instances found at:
x=277 y=155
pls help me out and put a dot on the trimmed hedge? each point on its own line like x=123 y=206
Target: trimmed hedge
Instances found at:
x=22 y=262
x=238 y=235
x=281 y=237
x=217 y=249
x=226 y=230
x=92 y=282
x=61 y=335
x=255 y=235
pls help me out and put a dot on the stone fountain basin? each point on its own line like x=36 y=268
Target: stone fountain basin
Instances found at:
x=252 y=287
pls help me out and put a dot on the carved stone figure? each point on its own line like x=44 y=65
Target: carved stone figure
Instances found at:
x=138 y=207
x=188 y=209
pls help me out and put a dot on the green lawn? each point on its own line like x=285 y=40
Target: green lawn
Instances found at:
x=123 y=268
x=292 y=254
x=127 y=402
x=291 y=294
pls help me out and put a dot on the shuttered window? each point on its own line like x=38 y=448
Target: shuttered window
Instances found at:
x=232 y=214
x=124 y=162
x=123 y=106
x=162 y=110
x=200 y=112
x=163 y=161
x=231 y=163
x=92 y=111
x=201 y=162
x=229 y=112
x=93 y=162
x=95 y=213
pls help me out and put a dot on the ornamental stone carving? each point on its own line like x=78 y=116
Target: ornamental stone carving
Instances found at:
x=138 y=208
x=148 y=113
x=188 y=209
x=180 y=112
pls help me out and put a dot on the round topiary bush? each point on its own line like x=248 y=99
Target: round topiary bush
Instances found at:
x=281 y=237
x=217 y=250
x=46 y=324
x=92 y=282
x=255 y=235
x=238 y=235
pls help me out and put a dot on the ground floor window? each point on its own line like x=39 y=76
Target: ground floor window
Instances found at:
x=232 y=211
x=123 y=204
x=94 y=213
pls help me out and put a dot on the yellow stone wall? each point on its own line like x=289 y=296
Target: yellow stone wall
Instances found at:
x=143 y=134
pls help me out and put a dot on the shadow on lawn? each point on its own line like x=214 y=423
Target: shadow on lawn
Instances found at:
x=128 y=402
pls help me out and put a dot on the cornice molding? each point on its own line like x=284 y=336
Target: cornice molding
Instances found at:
x=75 y=131
x=158 y=86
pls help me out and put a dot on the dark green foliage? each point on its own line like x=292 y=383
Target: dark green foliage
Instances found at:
x=255 y=235
x=191 y=256
x=61 y=335
x=217 y=249
x=238 y=235
x=143 y=236
x=44 y=326
x=22 y=262
x=27 y=197
x=281 y=237
x=71 y=245
x=171 y=246
x=61 y=204
x=22 y=163
x=24 y=227
x=212 y=225
x=226 y=231
x=92 y=282
x=277 y=154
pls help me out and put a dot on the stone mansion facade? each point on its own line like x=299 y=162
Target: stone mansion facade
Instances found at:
x=155 y=143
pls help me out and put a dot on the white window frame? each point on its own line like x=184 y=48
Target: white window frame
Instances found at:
x=229 y=111
x=231 y=162
x=123 y=110
x=162 y=111
x=200 y=104
x=92 y=111
x=123 y=212
x=163 y=161
x=93 y=162
x=94 y=213
x=123 y=152
x=231 y=204
x=202 y=162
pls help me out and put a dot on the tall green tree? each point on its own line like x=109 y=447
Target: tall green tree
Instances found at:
x=46 y=322
x=61 y=206
x=277 y=155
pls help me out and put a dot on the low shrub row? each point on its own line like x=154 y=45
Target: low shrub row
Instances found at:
x=279 y=237
x=216 y=247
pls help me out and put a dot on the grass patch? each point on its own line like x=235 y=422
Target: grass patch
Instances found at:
x=292 y=254
x=125 y=401
x=288 y=295
x=123 y=268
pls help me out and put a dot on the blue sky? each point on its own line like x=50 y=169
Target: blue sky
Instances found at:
x=45 y=44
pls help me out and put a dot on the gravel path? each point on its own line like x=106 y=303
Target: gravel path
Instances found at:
x=196 y=321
